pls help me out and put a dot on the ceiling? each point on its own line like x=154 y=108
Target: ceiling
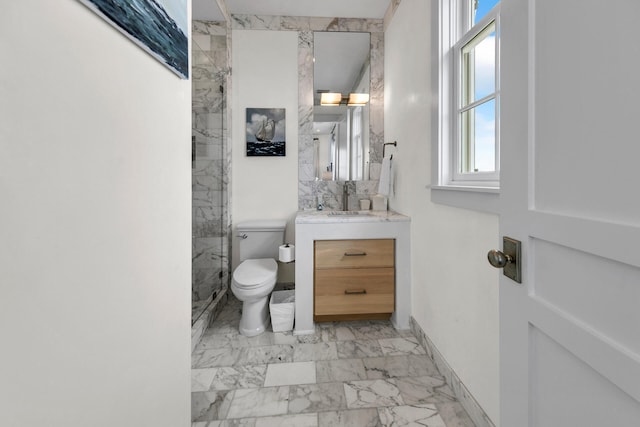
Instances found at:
x=208 y=10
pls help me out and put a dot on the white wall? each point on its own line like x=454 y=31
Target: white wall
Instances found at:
x=454 y=290
x=265 y=75
x=95 y=230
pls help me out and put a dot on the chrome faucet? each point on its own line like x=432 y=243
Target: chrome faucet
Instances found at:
x=345 y=197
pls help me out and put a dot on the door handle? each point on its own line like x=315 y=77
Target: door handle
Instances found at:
x=499 y=259
x=508 y=259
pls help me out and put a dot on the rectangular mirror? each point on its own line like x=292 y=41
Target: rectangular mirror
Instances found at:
x=341 y=132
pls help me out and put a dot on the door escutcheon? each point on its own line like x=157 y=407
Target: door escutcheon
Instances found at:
x=508 y=259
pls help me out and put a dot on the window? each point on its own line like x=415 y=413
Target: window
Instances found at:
x=469 y=84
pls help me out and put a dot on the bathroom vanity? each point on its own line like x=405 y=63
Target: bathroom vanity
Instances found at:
x=353 y=279
x=351 y=265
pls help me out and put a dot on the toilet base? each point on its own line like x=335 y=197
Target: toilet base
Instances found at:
x=255 y=317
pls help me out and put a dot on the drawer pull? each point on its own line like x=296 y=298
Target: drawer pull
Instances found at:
x=355 y=291
x=355 y=253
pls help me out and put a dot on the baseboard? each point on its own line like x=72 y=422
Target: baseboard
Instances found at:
x=466 y=399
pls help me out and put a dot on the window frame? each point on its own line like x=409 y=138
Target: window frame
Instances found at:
x=459 y=104
x=476 y=190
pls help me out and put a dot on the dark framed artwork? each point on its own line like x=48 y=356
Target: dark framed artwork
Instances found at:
x=265 y=131
x=160 y=27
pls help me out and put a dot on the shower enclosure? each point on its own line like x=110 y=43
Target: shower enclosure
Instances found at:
x=210 y=220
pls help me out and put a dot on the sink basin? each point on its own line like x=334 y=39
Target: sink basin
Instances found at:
x=348 y=213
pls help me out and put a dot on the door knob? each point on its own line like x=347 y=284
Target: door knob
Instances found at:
x=499 y=259
x=508 y=259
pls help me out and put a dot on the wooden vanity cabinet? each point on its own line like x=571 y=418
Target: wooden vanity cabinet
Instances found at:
x=354 y=279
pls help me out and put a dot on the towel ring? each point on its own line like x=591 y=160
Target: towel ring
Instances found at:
x=394 y=143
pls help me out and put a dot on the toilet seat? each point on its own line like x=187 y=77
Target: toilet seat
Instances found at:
x=254 y=273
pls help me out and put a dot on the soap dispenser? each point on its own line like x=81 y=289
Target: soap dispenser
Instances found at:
x=320 y=202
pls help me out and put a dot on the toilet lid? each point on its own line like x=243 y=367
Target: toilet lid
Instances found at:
x=252 y=273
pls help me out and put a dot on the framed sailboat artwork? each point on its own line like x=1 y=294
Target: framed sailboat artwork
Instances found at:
x=265 y=132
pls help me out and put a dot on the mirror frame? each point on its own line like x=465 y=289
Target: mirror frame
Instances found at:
x=334 y=53
x=331 y=191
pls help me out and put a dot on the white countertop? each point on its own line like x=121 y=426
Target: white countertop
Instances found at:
x=329 y=216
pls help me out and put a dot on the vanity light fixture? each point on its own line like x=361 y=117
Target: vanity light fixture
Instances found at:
x=358 y=99
x=330 y=98
x=334 y=99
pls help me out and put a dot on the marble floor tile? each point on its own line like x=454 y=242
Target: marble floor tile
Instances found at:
x=259 y=402
x=374 y=330
x=201 y=378
x=328 y=334
x=350 y=418
x=315 y=351
x=355 y=374
x=226 y=326
x=358 y=349
x=216 y=357
x=416 y=415
x=290 y=374
x=372 y=394
x=316 y=398
x=386 y=367
x=344 y=333
x=226 y=316
x=340 y=370
x=284 y=338
x=419 y=365
x=236 y=377
x=299 y=420
x=418 y=390
x=210 y=341
x=309 y=338
x=281 y=353
x=267 y=339
x=454 y=415
x=209 y=405
x=244 y=422
x=256 y=341
x=324 y=332
x=400 y=346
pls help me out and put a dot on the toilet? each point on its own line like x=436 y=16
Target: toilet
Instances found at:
x=255 y=277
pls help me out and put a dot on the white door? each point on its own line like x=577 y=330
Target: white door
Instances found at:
x=570 y=191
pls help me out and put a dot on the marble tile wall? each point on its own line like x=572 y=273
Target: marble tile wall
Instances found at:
x=210 y=223
x=308 y=187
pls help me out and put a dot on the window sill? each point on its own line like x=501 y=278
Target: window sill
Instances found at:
x=483 y=199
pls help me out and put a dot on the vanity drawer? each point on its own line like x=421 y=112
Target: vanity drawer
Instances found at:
x=354 y=291
x=354 y=253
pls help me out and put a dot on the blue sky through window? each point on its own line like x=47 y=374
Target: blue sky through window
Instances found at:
x=485 y=131
x=484 y=82
x=483 y=7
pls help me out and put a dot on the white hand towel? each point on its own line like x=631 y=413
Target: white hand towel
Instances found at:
x=385 y=186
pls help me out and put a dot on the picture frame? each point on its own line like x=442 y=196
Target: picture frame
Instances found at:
x=160 y=27
x=266 y=132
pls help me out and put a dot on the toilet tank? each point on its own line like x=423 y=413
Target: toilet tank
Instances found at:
x=263 y=237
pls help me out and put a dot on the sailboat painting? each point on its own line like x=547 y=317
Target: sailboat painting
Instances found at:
x=266 y=132
x=160 y=27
